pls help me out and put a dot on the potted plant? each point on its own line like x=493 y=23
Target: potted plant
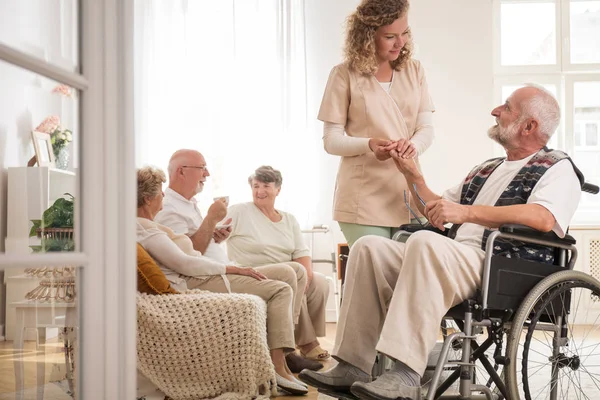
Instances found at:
x=56 y=226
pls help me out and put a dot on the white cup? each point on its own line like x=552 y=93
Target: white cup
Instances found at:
x=226 y=198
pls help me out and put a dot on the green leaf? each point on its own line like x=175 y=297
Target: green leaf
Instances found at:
x=36 y=224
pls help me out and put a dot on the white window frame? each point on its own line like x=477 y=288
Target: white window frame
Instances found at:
x=585 y=147
x=563 y=74
x=570 y=81
x=106 y=364
x=566 y=42
x=500 y=69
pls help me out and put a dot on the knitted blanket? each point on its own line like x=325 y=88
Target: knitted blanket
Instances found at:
x=199 y=345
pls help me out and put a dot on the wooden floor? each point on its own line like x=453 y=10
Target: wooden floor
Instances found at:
x=327 y=343
x=56 y=388
x=54 y=371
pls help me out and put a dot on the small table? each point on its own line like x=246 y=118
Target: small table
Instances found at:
x=31 y=314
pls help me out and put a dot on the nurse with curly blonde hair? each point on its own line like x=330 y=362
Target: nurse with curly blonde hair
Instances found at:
x=376 y=102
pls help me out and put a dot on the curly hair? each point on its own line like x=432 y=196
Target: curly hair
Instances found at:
x=149 y=183
x=267 y=174
x=370 y=15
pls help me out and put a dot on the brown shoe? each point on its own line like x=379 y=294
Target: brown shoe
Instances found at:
x=297 y=363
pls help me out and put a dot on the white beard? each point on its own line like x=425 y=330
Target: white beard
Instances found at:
x=504 y=136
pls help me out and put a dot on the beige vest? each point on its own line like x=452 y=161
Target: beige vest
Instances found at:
x=368 y=191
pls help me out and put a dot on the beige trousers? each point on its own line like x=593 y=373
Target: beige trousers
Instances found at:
x=396 y=295
x=312 y=313
x=277 y=292
x=309 y=308
x=297 y=282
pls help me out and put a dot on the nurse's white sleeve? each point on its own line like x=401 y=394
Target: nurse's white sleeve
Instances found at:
x=424 y=134
x=339 y=144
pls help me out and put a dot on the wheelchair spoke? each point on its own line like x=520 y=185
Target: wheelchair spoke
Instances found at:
x=582 y=392
x=595 y=329
x=568 y=375
x=575 y=313
x=537 y=360
x=594 y=380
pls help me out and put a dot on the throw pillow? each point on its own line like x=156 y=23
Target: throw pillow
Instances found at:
x=151 y=279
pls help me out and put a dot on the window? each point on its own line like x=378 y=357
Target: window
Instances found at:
x=559 y=49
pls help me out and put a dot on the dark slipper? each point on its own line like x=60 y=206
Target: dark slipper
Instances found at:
x=297 y=363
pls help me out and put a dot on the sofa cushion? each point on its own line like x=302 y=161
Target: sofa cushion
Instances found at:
x=151 y=279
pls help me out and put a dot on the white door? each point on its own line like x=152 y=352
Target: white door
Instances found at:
x=68 y=314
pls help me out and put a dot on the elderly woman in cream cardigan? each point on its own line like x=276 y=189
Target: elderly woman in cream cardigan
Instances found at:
x=263 y=235
x=175 y=255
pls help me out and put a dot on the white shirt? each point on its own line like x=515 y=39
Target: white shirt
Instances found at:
x=183 y=216
x=558 y=190
x=386 y=86
x=255 y=240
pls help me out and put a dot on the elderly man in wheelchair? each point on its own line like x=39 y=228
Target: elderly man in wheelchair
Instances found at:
x=492 y=275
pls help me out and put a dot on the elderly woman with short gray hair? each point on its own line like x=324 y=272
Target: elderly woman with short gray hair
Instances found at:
x=263 y=235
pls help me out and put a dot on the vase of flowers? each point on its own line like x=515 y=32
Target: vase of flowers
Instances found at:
x=60 y=138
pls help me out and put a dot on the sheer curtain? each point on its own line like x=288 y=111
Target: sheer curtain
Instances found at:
x=227 y=78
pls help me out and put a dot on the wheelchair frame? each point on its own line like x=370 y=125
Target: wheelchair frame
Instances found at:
x=476 y=317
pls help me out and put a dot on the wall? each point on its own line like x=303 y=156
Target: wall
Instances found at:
x=454 y=43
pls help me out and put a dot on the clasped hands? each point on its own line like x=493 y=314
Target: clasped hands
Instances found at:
x=384 y=148
x=438 y=211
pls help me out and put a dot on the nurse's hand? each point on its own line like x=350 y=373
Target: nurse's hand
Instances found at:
x=406 y=149
x=381 y=148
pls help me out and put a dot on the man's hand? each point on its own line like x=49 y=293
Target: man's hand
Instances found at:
x=381 y=148
x=222 y=234
x=217 y=210
x=247 y=271
x=441 y=211
x=407 y=166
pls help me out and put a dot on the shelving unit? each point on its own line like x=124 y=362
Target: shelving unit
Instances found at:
x=31 y=190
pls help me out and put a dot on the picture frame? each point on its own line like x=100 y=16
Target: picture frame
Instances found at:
x=43 y=149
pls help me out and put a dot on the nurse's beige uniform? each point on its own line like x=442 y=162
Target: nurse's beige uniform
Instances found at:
x=368 y=191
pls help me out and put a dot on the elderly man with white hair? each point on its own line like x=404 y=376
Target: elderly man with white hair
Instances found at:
x=396 y=294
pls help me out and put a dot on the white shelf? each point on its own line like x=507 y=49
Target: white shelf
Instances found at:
x=31 y=190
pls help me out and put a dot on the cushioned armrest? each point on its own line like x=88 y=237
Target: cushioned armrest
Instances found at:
x=535 y=234
x=412 y=228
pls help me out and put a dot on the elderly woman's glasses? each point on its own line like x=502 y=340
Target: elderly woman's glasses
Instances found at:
x=407 y=203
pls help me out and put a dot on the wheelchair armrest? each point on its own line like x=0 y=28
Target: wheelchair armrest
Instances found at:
x=412 y=228
x=535 y=234
x=590 y=188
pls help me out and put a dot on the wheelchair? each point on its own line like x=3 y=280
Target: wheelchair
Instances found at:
x=532 y=314
x=523 y=336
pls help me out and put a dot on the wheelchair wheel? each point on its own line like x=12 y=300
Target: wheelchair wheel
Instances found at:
x=553 y=344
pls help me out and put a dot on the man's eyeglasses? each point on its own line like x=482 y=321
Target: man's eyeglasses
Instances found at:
x=407 y=203
x=201 y=167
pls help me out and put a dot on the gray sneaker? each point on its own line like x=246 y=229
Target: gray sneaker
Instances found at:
x=386 y=387
x=338 y=379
